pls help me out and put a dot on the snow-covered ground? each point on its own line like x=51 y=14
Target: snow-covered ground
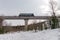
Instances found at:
x=30 y=35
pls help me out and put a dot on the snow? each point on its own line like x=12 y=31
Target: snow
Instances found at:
x=31 y=35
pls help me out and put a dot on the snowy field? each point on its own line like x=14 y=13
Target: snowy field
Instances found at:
x=31 y=35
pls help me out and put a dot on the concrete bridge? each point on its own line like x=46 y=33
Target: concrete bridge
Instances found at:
x=2 y=18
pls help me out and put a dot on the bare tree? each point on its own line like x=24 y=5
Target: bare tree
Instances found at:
x=54 y=20
x=53 y=6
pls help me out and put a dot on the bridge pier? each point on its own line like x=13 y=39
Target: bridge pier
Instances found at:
x=49 y=26
x=43 y=26
x=26 y=24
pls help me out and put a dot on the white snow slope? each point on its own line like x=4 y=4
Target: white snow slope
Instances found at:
x=40 y=35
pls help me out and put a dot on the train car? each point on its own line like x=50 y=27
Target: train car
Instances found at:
x=26 y=14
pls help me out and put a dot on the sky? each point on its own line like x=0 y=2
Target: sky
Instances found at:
x=15 y=7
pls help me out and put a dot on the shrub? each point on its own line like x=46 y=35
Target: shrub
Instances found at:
x=1 y=30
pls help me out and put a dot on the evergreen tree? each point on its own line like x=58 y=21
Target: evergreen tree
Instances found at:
x=54 y=22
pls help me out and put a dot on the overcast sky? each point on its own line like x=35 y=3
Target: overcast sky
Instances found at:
x=15 y=7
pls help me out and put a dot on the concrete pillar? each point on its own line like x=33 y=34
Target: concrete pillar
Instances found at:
x=43 y=27
x=26 y=24
x=49 y=26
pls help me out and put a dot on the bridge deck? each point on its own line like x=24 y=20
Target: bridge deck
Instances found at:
x=34 y=17
x=17 y=17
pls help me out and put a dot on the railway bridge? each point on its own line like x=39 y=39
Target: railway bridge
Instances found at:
x=2 y=18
